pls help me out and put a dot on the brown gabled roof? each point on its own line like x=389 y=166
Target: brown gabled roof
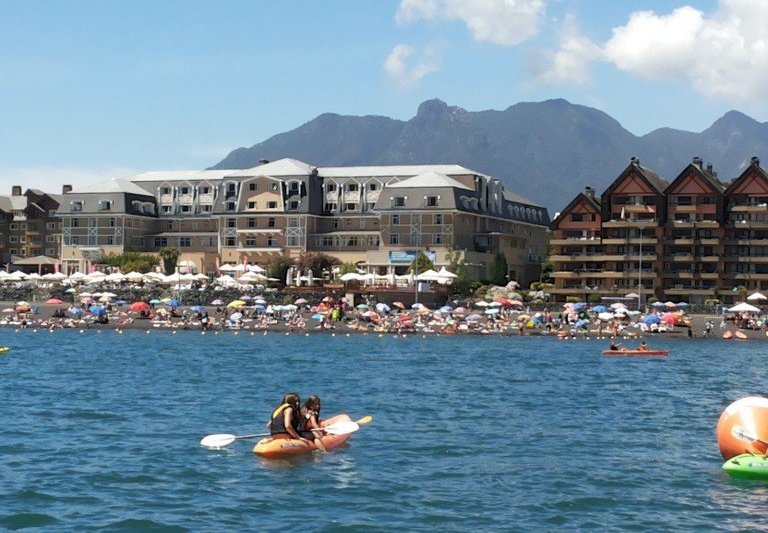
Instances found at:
x=577 y=199
x=656 y=181
x=705 y=173
x=754 y=165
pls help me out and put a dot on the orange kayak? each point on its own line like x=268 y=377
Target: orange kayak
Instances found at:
x=276 y=448
x=636 y=352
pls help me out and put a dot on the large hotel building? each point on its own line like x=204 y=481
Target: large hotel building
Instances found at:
x=376 y=216
x=692 y=239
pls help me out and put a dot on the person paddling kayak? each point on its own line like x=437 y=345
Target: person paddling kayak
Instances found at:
x=310 y=418
x=285 y=419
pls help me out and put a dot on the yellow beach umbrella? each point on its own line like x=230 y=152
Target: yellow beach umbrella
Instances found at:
x=236 y=303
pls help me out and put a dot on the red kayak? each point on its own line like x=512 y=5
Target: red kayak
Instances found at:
x=636 y=352
x=276 y=448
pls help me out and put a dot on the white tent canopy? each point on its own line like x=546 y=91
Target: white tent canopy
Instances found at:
x=744 y=307
x=757 y=296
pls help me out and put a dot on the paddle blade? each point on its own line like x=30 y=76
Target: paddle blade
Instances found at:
x=217 y=441
x=342 y=428
x=742 y=434
x=367 y=419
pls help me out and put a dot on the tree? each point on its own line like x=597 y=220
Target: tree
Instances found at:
x=421 y=263
x=170 y=256
x=498 y=274
x=462 y=285
x=131 y=261
x=278 y=266
x=317 y=261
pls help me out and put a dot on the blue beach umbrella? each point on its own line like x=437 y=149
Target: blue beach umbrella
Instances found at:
x=75 y=311
x=446 y=309
x=581 y=324
x=198 y=309
x=120 y=302
x=599 y=309
x=155 y=301
x=173 y=303
x=318 y=316
x=97 y=309
x=657 y=304
x=652 y=319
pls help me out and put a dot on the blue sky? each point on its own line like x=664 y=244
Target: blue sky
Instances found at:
x=95 y=89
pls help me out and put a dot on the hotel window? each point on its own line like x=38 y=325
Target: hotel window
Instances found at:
x=104 y=205
x=205 y=208
x=50 y=238
x=330 y=207
x=398 y=201
x=111 y=222
x=394 y=238
x=14 y=226
x=208 y=242
x=251 y=186
x=50 y=225
x=292 y=241
x=271 y=241
x=166 y=209
x=231 y=189
x=231 y=206
x=231 y=222
x=372 y=186
x=185 y=242
x=230 y=241
x=395 y=220
x=431 y=201
x=373 y=240
x=352 y=187
x=251 y=222
x=353 y=241
x=250 y=242
x=23 y=239
x=110 y=241
x=75 y=240
x=270 y=222
x=50 y=251
x=161 y=242
x=335 y=223
x=331 y=187
x=350 y=207
x=23 y=252
x=13 y=239
x=14 y=251
x=165 y=190
x=184 y=190
x=186 y=208
x=294 y=222
x=437 y=219
x=293 y=187
x=293 y=205
x=76 y=206
x=437 y=239
x=205 y=190
x=274 y=186
x=271 y=205
x=328 y=241
x=251 y=205
x=370 y=206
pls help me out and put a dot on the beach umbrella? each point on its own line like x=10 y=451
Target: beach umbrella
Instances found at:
x=599 y=309
x=300 y=301
x=581 y=324
x=236 y=316
x=743 y=307
x=473 y=317
x=97 y=309
x=318 y=316
x=482 y=303
x=70 y=290
x=173 y=303
x=236 y=303
x=87 y=300
x=381 y=307
x=417 y=305
x=23 y=308
x=76 y=311
x=217 y=301
x=197 y=309
x=399 y=305
x=138 y=307
x=155 y=301
x=446 y=309
x=9 y=310
x=605 y=316
x=652 y=319
x=54 y=301
x=492 y=311
x=670 y=318
x=362 y=306
x=120 y=302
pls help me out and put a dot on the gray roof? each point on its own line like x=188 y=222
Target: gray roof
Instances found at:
x=428 y=180
x=393 y=170
x=112 y=186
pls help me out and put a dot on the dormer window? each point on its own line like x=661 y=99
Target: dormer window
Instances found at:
x=293 y=205
x=398 y=201
x=293 y=188
x=231 y=206
x=431 y=201
x=184 y=190
x=165 y=190
x=231 y=189
x=331 y=187
x=352 y=187
x=274 y=186
x=271 y=205
x=76 y=205
x=149 y=207
x=251 y=205
x=372 y=186
x=104 y=205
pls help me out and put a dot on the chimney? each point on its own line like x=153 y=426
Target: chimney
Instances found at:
x=263 y=161
x=755 y=161
x=698 y=162
x=589 y=192
x=634 y=161
x=16 y=190
x=66 y=188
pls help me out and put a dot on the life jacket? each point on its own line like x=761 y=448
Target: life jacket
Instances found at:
x=277 y=422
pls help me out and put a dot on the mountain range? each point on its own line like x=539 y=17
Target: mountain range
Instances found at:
x=544 y=151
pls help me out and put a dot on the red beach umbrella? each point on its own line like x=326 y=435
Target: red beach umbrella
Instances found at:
x=138 y=307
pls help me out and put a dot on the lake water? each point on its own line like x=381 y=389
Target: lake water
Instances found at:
x=102 y=431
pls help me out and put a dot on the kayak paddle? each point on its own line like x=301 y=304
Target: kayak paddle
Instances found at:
x=742 y=434
x=220 y=440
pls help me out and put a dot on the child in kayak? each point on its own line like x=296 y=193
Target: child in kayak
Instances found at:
x=310 y=421
x=286 y=418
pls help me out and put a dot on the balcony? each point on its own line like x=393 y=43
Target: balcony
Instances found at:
x=166 y=199
x=687 y=241
x=580 y=241
x=757 y=208
x=714 y=241
x=683 y=209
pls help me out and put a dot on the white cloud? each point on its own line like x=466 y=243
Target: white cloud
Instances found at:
x=570 y=64
x=505 y=22
x=406 y=75
x=722 y=55
x=51 y=179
